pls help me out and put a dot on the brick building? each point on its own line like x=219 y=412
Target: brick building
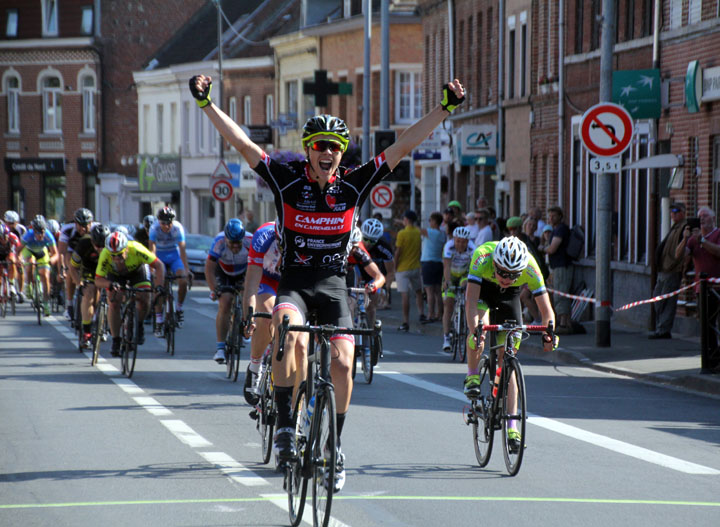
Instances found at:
x=67 y=101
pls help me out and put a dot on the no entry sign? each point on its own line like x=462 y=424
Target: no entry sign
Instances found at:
x=382 y=196
x=606 y=129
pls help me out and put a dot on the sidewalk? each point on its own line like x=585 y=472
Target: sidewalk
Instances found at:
x=674 y=362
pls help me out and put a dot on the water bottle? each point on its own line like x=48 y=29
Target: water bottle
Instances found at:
x=498 y=371
x=310 y=408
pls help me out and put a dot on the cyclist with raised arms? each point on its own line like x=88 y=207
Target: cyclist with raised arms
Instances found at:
x=167 y=241
x=318 y=203
x=225 y=266
x=83 y=264
x=39 y=244
x=12 y=221
x=457 y=253
x=382 y=254
x=497 y=272
x=127 y=262
x=70 y=233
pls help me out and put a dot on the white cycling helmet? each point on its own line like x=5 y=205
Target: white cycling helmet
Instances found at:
x=511 y=254
x=12 y=217
x=372 y=229
x=462 y=232
x=356 y=236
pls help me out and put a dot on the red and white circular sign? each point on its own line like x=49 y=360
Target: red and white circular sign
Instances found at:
x=606 y=129
x=382 y=196
x=222 y=190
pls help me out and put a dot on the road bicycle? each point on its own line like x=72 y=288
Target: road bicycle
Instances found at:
x=170 y=322
x=315 y=428
x=492 y=407
x=77 y=313
x=36 y=293
x=234 y=338
x=57 y=292
x=7 y=299
x=99 y=326
x=367 y=348
x=130 y=325
x=265 y=412
x=458 y=325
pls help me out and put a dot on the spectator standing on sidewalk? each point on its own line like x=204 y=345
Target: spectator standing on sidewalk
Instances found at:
x=433 y=241
x=471 y=219
x=485 y=233
x=561 y=268
x=669 y=268
x=450 y=222
x=407 y=273
x=703 y=245
x=514 y=225
x=536 y=214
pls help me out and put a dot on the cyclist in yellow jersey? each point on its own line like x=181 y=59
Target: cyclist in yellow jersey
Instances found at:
x=497 y=271
x=127 y=262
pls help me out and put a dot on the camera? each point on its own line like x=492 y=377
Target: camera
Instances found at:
x=693 y=223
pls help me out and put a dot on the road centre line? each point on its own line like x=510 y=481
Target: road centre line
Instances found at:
x=573 y=432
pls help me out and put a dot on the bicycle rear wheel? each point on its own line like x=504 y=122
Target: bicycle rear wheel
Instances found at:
x=324 y=454
x=236 y=345
x=4 y=297
x=38 y=299
x=295 y=483
x=462 y=336
x=366 y=356
x=98 y=331
x=130 y=342
x=267 y=417
x=170 y=325
x=514 y=449
x=482 y=422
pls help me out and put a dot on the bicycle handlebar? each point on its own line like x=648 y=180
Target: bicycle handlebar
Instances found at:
x=511 y=325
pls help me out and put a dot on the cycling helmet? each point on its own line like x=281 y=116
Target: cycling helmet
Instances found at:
x=325 y=125
x=83 y=216
x=372 y=229
x=11 y=216
x=98 y=234
x=166 y=214
x=116 y=242
x=511 y=254
x=53 y=225
x=148 y=221
x=234 y=230
x=4 y=231
x=38 y=223
x=462 y=232
x=356 y=236
x=121 y=228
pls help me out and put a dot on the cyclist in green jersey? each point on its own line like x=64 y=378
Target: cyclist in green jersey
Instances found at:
x=497 y=272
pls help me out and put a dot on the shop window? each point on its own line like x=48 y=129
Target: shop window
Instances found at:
x=54 y=193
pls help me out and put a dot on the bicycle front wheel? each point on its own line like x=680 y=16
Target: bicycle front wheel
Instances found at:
x=98 y=331
x=481 y=414
x=462 y=337
x=324 y=455
x=267 y=417
x=366 y=357
x=514 y=417
x=38 y=300
x=295 y=483
x=130 y=344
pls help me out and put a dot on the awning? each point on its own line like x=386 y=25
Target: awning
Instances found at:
x=659 y=161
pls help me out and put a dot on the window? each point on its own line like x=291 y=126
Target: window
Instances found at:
x=86 y=22
x=676 y=13
x=291 y=94
x=186 y=129
x=595 y=24
x=579 y=25
x=232 y=109
x=200 y=139
x=52 y=104
x=308 y=101
x=173 y=128
x=49 y=18
x=54 y=193
x=269 y=109
x=716 y=174
x=551 y=24
x=145 y=128
x=247 y=110
x=90 y=191
x=408 y=97
x=12 y=23
x=694 y=11
x=12 y=87
x=629 y=20
x=160 y=116
x=647 y=17
x=523 y=60
x=511 y=64
x=88 y=97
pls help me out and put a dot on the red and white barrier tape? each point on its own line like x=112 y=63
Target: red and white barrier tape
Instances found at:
x=639 y=302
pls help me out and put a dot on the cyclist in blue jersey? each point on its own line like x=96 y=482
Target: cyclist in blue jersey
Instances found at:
x=38 y=244
x=318 y=203
x=225 y=266
x=167 y=241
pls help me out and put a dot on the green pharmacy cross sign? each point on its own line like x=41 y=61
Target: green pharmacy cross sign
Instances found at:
x=322 y=87
x=638 y=91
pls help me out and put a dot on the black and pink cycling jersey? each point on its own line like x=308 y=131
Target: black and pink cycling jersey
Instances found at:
x=315 y=224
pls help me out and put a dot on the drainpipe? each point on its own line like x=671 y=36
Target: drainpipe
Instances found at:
x=500 y=96
x=654 y=190
x=561 y=102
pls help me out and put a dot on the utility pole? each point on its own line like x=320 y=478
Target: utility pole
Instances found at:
x=366 y=95
x=604 y=191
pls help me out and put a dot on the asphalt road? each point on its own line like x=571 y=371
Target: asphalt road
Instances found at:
x=174 y=445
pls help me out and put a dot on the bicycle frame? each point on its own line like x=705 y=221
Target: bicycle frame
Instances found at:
x=234 y=337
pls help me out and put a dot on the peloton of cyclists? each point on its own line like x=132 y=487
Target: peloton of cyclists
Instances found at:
x=318 y=203
x=167 y=241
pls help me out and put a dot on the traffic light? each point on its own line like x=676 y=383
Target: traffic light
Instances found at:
x=383 y=139
x=400 y=174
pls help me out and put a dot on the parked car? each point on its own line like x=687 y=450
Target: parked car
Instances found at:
x=197 y=247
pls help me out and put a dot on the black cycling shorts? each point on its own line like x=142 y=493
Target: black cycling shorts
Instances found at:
x=504 y=304
x=139 y=276
x=222 y=279
x=326 y=295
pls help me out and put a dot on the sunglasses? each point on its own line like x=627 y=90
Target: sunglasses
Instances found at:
x=165 y=223
x=675 y=210
x=508 y=275
x=321 y=146
x=367 y=240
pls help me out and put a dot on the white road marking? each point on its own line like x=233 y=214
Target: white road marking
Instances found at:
x=571 y=431
x=152 y=406
x=234 y=470
x=281 y=501
x=185 y=434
